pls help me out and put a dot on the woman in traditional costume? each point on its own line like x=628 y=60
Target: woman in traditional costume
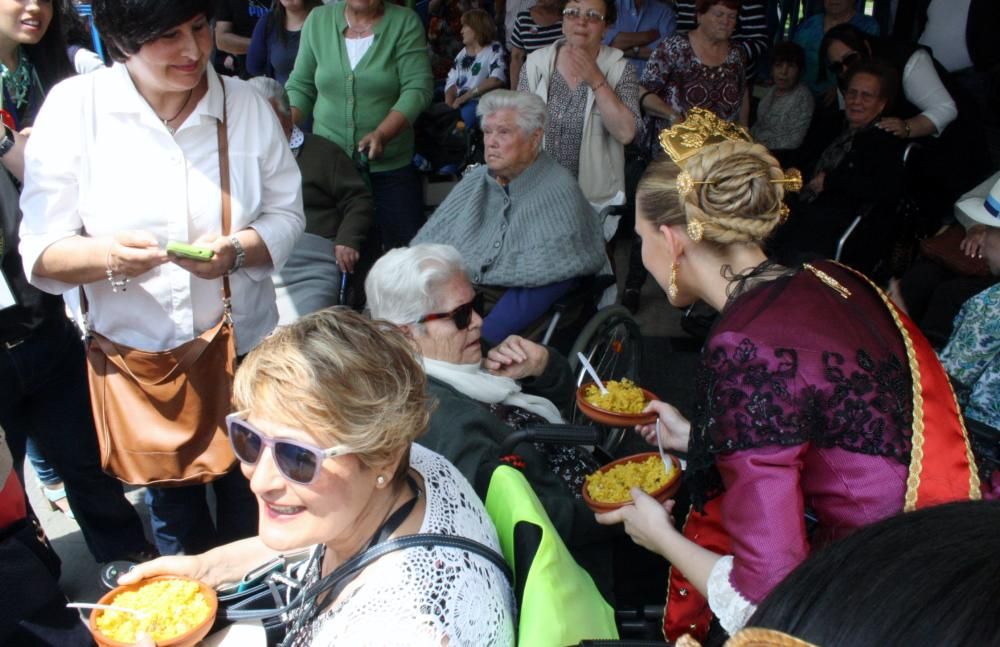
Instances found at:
x=823 y=409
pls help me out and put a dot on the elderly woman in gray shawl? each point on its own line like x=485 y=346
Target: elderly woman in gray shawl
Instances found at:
x=523 y=227
x=480 y=401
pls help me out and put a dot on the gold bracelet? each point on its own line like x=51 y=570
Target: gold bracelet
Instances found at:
x=906 y=126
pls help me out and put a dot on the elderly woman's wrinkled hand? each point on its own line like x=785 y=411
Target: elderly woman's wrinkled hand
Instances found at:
x=583 y=65
x=517 y=358
x=190 y=566
x=675 y=429
x=220 y=263
x=647 y=521
x=133 y=253
x=972 y=244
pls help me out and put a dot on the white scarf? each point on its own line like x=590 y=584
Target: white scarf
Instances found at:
x=473 y=381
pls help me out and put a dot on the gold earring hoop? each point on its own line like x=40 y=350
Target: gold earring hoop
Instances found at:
x=672 y=286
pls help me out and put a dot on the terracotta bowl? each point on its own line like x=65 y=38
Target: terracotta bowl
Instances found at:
x=189 y=638
x=664 y=492
x=610 y=418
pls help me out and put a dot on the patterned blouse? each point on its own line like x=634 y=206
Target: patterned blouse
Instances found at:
x=469 y=71
x=972 y=357
x=564 y=129
x=676 y=75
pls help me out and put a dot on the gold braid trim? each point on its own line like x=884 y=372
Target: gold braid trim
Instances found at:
x=975 y=493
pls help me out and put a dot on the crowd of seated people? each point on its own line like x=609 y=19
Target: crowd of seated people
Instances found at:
x=325 y=194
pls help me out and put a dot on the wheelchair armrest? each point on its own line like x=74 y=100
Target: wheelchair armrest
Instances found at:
x=552 y=434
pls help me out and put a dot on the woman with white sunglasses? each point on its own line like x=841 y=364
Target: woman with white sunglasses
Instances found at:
x=328 y=412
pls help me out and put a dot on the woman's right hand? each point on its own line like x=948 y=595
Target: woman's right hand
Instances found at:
x=190 y=566
x=972 y=244
x=675 y=429
x=133 y=253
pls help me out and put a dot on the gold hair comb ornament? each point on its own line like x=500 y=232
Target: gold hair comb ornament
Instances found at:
x=699 y=129
x=792 y=181
x=783 y=213
x=686 y=183
x=695 y=230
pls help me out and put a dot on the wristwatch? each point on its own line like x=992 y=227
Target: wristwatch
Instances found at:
x=241 y=256
x=7 y=142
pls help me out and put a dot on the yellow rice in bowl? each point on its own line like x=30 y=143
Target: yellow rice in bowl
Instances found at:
x=174 y=606
x=614 y=485
x=622 y=397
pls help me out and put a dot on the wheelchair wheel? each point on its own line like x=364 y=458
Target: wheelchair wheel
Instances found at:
x=612 y=343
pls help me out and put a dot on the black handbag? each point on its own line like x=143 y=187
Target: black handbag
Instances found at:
x=284 y=605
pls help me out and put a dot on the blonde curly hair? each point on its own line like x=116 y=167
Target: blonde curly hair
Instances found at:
x=734 y=198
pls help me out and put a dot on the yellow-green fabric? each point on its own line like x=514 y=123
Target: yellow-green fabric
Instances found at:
x=561 y=605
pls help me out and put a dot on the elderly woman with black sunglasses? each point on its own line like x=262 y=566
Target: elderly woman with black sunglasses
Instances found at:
x=481 y=401
x=329 y=409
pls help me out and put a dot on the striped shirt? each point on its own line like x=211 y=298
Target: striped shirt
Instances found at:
x=529 y=35
x=751 y=28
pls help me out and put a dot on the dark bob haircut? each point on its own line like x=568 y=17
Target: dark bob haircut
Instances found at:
x=928 y=577
x=127 y=25
x=702 y=6
x=857 y=40
x=788 y=52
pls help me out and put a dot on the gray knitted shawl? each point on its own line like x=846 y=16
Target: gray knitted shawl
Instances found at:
x=540 y=231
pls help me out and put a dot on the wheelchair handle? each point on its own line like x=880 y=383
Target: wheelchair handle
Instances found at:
x=552 y=434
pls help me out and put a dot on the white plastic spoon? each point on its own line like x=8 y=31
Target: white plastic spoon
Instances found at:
x=106 y=607
x=593 y=373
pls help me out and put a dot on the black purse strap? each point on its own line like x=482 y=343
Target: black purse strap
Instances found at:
x=333 y=583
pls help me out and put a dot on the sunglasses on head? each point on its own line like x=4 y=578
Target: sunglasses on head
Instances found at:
x=838 y=67
x=462 y=315
x=297 y=461
x=590 y=15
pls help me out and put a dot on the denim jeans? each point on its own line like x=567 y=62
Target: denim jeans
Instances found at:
x=47 y=474
x=182 y=522
x=399 y=205
x=46 y=397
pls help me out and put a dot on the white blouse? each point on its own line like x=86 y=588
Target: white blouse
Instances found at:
x=100 y=162
x=423 y=597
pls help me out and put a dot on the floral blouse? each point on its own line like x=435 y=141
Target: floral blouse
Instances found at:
x=676 y=75
x=972 y=357
x=469 y=71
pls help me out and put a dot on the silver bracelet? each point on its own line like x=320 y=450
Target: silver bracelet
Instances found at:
x=116 y=284
x=241 y=256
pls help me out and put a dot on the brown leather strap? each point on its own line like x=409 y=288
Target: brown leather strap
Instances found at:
x=223 y=135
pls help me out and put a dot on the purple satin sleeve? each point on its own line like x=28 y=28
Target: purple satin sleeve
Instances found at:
x=768 y=489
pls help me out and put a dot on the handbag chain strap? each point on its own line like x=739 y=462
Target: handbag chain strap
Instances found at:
x=222 y=135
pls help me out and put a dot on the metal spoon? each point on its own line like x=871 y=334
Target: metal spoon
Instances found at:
x=593 y=373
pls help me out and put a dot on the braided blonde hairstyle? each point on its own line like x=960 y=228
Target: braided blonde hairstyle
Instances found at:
x=734 y=199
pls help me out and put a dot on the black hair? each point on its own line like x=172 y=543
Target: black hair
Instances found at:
x=276 y=19
x=788 y=52
x=849 y=35
x=887 y=77
x=74 y=29
x=48 y=56
x=919 y=578
x=127 y=25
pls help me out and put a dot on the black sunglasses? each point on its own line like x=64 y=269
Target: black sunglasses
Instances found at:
x=297 y=461
x=462 y=315
x=838 y=67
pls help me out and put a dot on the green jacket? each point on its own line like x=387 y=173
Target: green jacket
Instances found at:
x=346 y=104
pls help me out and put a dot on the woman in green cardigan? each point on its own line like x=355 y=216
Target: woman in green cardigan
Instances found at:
x=363 y=74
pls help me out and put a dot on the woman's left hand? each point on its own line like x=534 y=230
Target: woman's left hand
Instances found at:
x=582 y=65
x=220 y=263
x=517 y=358
x=647 y=521
x=372 y=143
x=462 y=99
x=894 y=126
x=816 y=184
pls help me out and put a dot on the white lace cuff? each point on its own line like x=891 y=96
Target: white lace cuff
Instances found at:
x=731 y=608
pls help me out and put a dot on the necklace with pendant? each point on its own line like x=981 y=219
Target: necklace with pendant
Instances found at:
x=166 y=122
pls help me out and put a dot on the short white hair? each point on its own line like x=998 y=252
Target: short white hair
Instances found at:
x=530 y=109
x=272 y=90
x=402 y=285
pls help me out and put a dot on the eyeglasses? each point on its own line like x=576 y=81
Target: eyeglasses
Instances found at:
x=462 y=315
x=838 y=67
x=589 y=15
x=298 y=462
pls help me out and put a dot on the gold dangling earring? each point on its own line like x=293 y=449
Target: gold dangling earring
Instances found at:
x=672 y=287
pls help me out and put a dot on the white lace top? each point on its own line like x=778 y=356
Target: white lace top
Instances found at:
x=419 y=596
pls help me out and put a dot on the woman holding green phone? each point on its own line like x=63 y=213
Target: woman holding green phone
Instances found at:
x=95 y=217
